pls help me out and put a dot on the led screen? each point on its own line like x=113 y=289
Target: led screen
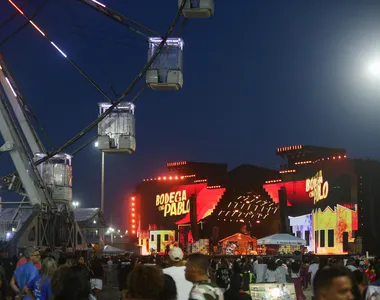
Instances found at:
x=318 y=186
x=167 y=205
x=322 y=204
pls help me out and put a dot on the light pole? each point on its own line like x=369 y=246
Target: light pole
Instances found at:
x=102 y=183
x=102 y=194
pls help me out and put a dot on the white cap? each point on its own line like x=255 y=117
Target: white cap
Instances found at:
x=176 y=254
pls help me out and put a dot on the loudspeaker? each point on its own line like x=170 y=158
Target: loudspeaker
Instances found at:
x=285 y=226
x=345 y=241
x=193 y=217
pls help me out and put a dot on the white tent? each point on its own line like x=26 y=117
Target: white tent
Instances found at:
x=112 y=250
x=281 y=239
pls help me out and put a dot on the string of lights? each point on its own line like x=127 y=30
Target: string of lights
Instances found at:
x=247 y=207
x=24 y=25
x=96 y=86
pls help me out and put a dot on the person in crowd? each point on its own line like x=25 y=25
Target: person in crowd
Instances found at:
x=282 y=271
x=71 y=283
x=247 y=277
x=96 y=276
x=296 y=280
x=124 y=269
x=4 y=286
x=271 y=274
x=359 y=284
x=145 y=283
x=212 y=269
x=170 y=289
x=314 y=267
x=39 y=287
x=235 y=291
x=304 y=274
x=196 y=272
x=177 y=272
x=372 y=291
x=23 y=260
x=223 y=275
x=259 y=270
x=333 y=283
x=351 y=265
x=25 y=273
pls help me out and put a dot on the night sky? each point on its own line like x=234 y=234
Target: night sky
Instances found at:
x=258 y=75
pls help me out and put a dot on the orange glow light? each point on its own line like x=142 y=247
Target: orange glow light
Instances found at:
x=133 y=221
x=133 y=204
x=133 y=231
x=133 y=209
x=133 y=215
x=133 y=198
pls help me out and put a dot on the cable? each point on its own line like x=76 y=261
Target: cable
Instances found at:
x=126 y=92
x=114 y=15
x=7 y=38
x=12 y=16
x=84 y=145
x=182 y=27
x=97 y=87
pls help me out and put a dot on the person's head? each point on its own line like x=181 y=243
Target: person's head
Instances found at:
x=145 y=282
x=279 y=262
x=360 y=278
x=334 y=283
x=170 y=289
x=196 y=267
x=81 y=260
x=175 y=255
x=48 y=267
x=236 y=282
x=70 y=283
x=295 y=267
x=32 y=255
x=272 y=266
x=350 y=262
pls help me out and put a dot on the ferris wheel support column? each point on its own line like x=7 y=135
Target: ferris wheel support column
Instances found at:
x=14 y=146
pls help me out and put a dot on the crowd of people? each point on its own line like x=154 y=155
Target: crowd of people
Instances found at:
x=196 y=277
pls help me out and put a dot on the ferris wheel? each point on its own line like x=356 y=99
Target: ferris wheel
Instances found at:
x=44 y=179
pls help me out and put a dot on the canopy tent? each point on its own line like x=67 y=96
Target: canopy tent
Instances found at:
x=112 y=250
x=281 y=239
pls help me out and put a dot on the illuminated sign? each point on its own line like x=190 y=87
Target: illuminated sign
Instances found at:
x=174 y=203
x=316 y=188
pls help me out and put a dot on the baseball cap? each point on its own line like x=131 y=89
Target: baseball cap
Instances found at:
x=176 y=254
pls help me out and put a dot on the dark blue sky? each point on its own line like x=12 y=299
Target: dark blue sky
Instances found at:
x=259 y=75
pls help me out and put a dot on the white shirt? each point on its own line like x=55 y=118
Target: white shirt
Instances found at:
x=351 y=268
x=313 y=268
x=259 y=270
x=272 y=276
x=183 y=286
x=282 y=274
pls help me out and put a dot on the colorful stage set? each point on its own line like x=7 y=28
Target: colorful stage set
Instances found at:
x=318 y=195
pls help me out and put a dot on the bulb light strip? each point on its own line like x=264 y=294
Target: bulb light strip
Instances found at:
x=60 y=50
